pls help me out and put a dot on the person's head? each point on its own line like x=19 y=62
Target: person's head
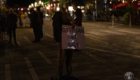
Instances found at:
x=31 y=10
x=38 y=8
x=11 y=11
x=74 y=5
x=64 y=4
x=63 y=7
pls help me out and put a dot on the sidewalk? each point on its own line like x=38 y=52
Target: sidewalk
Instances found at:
x=121 y=25
x=38 y=61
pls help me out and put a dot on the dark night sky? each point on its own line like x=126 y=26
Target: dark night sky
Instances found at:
x=21 y=3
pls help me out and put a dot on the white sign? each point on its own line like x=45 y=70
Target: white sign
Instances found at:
x=73 y=38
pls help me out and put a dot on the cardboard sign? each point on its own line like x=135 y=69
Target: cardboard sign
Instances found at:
x=73 y=38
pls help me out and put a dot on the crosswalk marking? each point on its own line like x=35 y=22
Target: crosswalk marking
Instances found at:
x=18 y=43
x=7 y=72
x=114 y=52
x=113 y=32
x=46 y=59
x=27 y=39
x=31 y=69
x=48 y=35
x=128 y=31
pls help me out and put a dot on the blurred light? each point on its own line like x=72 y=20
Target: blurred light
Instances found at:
x=32 y=4
x=83 y=10
x=40 y=2
x=110 y=2
x=18 y=8
x=57 y=8
x=46 y=15
x=123 y=1
x=27 y=8
x=22 y=9
x=51 y=7
x=78 y=6
x=70 y=8
x=35 y=9
x=29 y=12
x=51 y=4
x=35 y=4
x=48 y=8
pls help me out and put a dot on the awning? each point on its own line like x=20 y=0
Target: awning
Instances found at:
x=135 y=5
x=123 y=4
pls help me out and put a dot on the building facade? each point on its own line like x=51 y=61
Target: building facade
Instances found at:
x=2 y=2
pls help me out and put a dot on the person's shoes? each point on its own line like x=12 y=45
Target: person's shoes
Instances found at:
x=41 y=39
x=16 y=43
x=59 y=78
x=35 y=41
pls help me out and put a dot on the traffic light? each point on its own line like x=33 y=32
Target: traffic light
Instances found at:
x=22 y=9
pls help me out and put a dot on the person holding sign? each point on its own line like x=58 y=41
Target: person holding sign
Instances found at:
x=62 y=18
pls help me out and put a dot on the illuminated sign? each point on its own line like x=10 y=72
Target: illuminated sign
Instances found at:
x=45 y=2
x=73 y=38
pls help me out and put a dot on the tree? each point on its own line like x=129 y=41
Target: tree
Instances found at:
x=90 y=7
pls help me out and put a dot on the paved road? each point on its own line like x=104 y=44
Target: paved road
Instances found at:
x=109 y=54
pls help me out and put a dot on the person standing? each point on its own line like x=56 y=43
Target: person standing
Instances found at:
x=23 y=19
x=12 y=25
x=41 y=21
x=19 y=17
x=3 y=27
x=62 y=18
x=78 y=14
x=50 y=14
x=35 y=24
x=26 y=15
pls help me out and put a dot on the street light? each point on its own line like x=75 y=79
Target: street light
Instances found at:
x=40 y=2
x=32 y=4
x=35 y=4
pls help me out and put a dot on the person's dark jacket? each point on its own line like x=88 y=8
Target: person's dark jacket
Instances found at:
x=12 y=20
x=58 y=21
x=35 y=20
x=41 y=17
x=78 y=17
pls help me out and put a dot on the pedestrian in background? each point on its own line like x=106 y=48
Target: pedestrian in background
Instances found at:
x=35 y=24
x=78 y=14
x=50 y=14
x=3 y=27
x=62 y=18
x=23 y=19
x=12 y=25
x=41 y=21
x=26 y=15
x=19 y=17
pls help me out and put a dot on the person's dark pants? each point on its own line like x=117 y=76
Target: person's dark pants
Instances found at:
x=64 y=56
x=41 y=31
x=20 y=22
x=12 y=30
x=36 y=33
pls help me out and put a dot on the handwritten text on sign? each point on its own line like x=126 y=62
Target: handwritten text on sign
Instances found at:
x=73 y=38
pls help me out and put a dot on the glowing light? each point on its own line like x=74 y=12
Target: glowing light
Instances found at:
x=58 y=9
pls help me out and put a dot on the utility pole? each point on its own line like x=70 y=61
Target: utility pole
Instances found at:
x=1 y=4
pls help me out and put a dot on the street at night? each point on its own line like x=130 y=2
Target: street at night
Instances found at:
x=110 y=53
